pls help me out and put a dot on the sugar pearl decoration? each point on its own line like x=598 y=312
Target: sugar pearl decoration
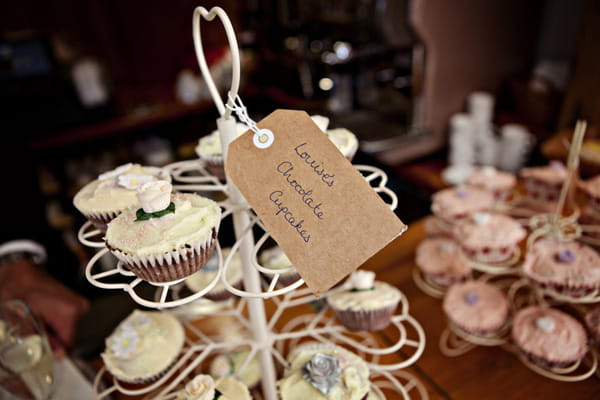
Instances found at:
x=471 y=298
x=545 y=324
x=481 y=218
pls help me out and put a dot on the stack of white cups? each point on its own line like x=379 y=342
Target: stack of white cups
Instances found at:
x=481 y=110
x=515 y=144
x=462 y=149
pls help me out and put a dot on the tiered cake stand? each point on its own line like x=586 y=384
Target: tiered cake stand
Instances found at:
x=269 y=335
x=520 y=290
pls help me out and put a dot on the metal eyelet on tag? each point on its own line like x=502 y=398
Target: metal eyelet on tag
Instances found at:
x=263 y=139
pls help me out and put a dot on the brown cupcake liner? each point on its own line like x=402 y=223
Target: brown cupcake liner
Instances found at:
x=147 y=379
x=101 y=220
x=367 y=320
x=171 y=266
x=215 y=164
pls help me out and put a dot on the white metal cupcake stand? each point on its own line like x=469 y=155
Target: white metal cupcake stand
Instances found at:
x=522 y=291
x=269 y=335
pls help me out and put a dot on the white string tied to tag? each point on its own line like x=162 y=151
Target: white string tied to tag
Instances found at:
x=263 y=138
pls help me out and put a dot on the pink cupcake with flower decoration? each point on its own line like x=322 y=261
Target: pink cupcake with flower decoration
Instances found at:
x=489 y=238
x=549 y=338
x=544 y=183
x=500 y=184
x=565 y=268
x=453 y=204
x=438 y=260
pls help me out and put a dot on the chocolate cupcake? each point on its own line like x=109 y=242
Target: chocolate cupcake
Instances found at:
x=476 y=308
x=210 y=151
x=564 y=268
x=438 y=260
x=451 y=205
x=275 y=259
x=365 y=304
x=544 y=183
x=201 y=279
x=101 y=200
x=169 y=238
x=549 y=338
x=489 y=238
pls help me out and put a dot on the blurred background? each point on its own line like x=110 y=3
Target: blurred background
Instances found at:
x=86 y=85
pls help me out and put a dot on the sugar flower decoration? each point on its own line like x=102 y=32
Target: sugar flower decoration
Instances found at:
x=221 y=366
x=352 y=379
x=124 y=343
x=481 y=218
x=136 y=322
x=545 y=324
x=471 y=298
x=462 y=193
x=155 y=196
x=321 y=121
x=362 y=280
x=133 y=181
x=565 y=256
x=202 y=387
x=115 y=172
x=322 y=372
x=557 y=165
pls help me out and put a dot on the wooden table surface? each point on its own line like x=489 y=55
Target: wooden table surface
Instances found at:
x=488 y=373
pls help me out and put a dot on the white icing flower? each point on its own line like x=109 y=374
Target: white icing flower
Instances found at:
x=352 y=379
x=321 y=121
x=154 y=196
x=136 y=322
x=115 y=172
x=481 y=218
x=221 y=366
x=202 y=387
x=133 y=181
x=124 y=343
x=545 y=324
x=362 y=279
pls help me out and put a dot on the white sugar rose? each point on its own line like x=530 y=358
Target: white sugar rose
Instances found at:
x=115 y=172
x=362 y=280
x=202 y=387
x=221 y=366
x=133 y=181
x=321 y=121
x=155 y=196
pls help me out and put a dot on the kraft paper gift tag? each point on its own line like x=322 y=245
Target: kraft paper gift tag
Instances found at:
x=321 y=211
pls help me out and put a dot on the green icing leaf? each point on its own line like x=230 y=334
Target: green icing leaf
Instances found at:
x=143 y=216
x=362 y=290
x=217 y=394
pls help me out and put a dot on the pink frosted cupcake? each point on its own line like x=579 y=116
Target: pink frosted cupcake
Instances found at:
x=433 y=227
x=489 y=238
x=565 y=268
x=591 y=189
x=437 y=258
x=477 y=308
x=548 y=337
x=592 y=322
x=590 y=217
x=366 y=304
x=451 y=205
x=544 y=183
x=500 y=184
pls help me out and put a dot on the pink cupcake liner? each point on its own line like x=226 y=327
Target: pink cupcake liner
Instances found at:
x=545 y=363
x=445 y=280
x=540 y=190
x=367 y=320
x=489 y=254
x=574 y=291
x=482 y=333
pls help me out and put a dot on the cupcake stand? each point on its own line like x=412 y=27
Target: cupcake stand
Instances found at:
x=263 y=308
x=520 y=290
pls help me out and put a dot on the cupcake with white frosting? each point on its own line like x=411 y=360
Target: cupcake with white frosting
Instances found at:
x=234 y=275
x=143 y=346
x=319 y=371
x=275 y=259
x=101 y=200
x=169 y=237
x=365 y=304
x=210 y=151
x=230 y=364
x=204 y=387
x=344 y=140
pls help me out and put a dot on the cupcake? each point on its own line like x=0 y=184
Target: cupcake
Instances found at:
x=433 y=227
x=199 y=280
x=476 y=308
x=229 y=364
x=500 y=184
x=319 y=371
x=203 y=387
x=101 y=200
x=342 y=138
x=438 y=260
x=544 y=183
x=591 y=189
x=564 y=268
x=488 y=238
x=169 y=238
x=210 y=151
x=592 y=322
x=143 y=346
x=453 y=204
x=589 y=218
x=367 y=305
x=274 y=258
x=548 y=337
